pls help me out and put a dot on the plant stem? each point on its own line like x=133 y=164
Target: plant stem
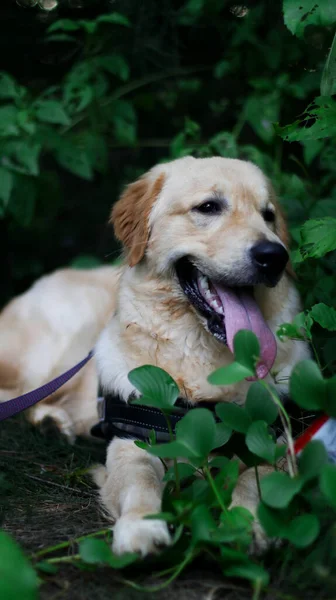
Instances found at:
x=171 y=434
x=63 y=559
x=257 y=480
x=157 y=588
x=68 y=543
x=257 y=590
x=209 y=477
x=291 y=460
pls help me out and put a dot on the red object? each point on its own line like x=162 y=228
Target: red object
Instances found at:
x=303 y=440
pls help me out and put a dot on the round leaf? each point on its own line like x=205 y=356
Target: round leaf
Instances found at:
x=312 y=459
x=233 y=373
x=250 y=571
x=328 y=483
x=278 y=489
x=307 y=386
x=223 y=434
x=259 y=404
x=157 y=387
x=271 y=521
x=246 y=349
x=94 y=551
x=17 y=577
x=303 y=530
x=197 y=431
x=260 y=442
x=234 y=416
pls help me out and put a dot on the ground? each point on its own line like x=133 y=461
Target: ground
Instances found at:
x=47 y=497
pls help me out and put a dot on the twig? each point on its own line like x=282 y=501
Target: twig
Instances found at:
x=63 y=487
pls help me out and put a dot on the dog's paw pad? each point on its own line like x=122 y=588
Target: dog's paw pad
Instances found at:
x=143 y=536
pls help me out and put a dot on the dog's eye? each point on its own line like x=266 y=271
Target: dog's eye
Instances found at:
x=268 y=215
x=210 y=207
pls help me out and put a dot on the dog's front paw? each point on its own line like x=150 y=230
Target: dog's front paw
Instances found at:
x=53 y=418
x=143 y=536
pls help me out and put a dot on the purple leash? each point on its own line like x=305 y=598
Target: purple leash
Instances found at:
x=17 y=405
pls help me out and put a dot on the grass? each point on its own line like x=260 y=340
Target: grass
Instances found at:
x=47 y=498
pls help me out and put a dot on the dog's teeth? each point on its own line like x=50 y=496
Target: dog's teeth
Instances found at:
x=208 y=294
x=220 y=310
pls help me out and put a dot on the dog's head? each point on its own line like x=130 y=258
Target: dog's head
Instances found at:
x=215 y=225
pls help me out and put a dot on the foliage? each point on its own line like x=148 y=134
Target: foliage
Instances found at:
x=120 y=91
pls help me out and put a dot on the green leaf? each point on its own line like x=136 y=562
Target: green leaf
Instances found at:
x=250 y=571
x=114 y=17
x=184 y=471
x=64 y=25
x=312 y=459
x=77 y=96
x=219 y=462
x=51 y=111
x=324 y=315
x=261 y=111
x=234 y=416
x=272 y=521
x=23 y=200
x=114 y=64
x=22 y=156
x=74 y=159
x=156 y=386
x=97 y=552
x=233 y=373
x=123 y=117
x=17 y=577
x=6 y=184
x=197 y=431
x=298 y=15
x=236 y=525
x=278 y=489
x=260 y=442
x=202 y=524
x=318 y=237
x=170 y=450
x=328 y=483
x=290 y=331
x=307 y=386
x=223 y=434
x=246 y=349
x=8 y=120
x=259 y=404
x=328 y=80
x=317 y=122
x=8 y=86
x=303 y=530
x=46 y=567
x=94 y=551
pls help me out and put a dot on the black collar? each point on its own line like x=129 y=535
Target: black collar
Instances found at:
x=118 y=418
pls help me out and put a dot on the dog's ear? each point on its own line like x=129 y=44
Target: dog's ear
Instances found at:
x=131 y=213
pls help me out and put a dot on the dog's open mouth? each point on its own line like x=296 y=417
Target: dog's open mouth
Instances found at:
x=227 y=310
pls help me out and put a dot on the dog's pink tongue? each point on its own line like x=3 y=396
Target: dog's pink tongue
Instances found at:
x=242 y=312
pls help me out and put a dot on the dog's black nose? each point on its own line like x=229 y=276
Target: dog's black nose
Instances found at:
x=270 y=258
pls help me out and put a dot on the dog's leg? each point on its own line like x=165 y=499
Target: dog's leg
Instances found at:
x=246 y=494
x=131 y=488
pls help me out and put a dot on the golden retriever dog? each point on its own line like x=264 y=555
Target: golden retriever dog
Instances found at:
x=205 y=254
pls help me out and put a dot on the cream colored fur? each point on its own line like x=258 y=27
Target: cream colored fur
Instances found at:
x=145 y=318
